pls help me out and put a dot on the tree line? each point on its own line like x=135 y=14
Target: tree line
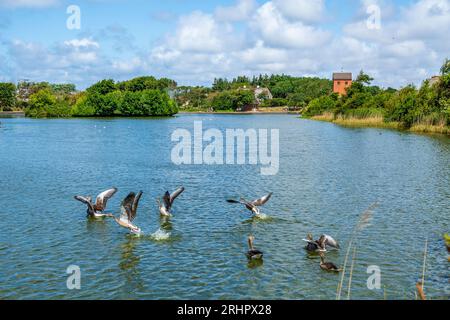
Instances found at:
x=148 y=96
x=429 y=104
x=142 y=96
x=233 y=94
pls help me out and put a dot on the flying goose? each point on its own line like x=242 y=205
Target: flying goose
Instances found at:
x=327 y=266
x=168 y=199
x=254 y=205
x=97 y=210
x=252 y=253
x=129 y=209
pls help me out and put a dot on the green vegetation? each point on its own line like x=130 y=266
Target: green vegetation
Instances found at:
x=234 y=95
x=426 y=109
x=143 y=96
x=7 y=96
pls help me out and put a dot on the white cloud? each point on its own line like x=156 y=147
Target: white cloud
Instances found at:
x=276 y=30
x=409 y=47
x=304 y=10
x=199 y=32
x=82 y=43
x=250 y=37
x=239 y=12
x=28 y=3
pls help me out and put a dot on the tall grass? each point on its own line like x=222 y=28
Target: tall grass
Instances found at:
x=374 y=118
x=421 y=284
x=363 y=222
x=349 y=287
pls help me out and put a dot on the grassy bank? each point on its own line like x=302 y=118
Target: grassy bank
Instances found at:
x=378 y=122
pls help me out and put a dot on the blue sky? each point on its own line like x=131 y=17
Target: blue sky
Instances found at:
x=194 y=41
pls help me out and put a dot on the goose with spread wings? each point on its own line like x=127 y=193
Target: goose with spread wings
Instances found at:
x=254 y=205
x=168 y=199
x=96 y=210
x=321 y=244
x=129 y=209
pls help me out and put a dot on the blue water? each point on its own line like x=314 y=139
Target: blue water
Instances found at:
x=328 y=176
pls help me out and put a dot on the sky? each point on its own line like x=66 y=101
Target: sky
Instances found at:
x=398 y=42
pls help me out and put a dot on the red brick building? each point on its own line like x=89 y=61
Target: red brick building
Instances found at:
x=341 y=81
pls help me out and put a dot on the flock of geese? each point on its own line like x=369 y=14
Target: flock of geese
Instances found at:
x=130 y=204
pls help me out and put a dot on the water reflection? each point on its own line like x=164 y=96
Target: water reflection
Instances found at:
x=255 y=263
x=129 y=263
x=165 y=223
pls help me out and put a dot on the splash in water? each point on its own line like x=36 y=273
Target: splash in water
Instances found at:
x=262 y=216
x=160 y=235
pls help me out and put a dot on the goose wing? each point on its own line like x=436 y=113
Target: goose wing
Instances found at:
x=261 y=201
x=310 y=241
x=330 y=241
x=247 y=204
x=166 y=200
x=86 y=201
x=135 y=204
x=102 y=199
x=127 y=207
x=236 y=201
x=175 y=194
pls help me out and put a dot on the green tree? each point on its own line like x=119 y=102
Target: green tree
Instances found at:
x=131 y=104
x=400 y=107
x=320 y=105
x=364 y=78
x=7 y=96
x=82 y=108
x=102 y=87
x=40 y=102
x=157 y=103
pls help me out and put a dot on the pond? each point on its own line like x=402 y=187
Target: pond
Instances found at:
x=327 y=177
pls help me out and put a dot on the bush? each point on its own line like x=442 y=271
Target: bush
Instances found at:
x=320 y=105
x=81 y=108
x=157 y=103
x=7 y=96
x=400 y=108
x=131 y=104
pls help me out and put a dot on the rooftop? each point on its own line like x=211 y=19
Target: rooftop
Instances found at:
x=342 y=76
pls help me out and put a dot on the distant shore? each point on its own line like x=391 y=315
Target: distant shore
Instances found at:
x=12 y=113
x=274 y=110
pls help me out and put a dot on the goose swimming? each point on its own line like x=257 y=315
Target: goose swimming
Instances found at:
x=252 y=253
x=129 y=209
x=254 y=205
x=313 y=245
x=168 y=199
x=327 y=266
x=97 y=210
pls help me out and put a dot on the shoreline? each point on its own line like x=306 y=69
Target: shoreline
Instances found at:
x=12 y=113
x=378 y=122
x=239 y=112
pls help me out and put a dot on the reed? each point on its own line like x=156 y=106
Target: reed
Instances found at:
x=421 y=284
x=423 y=125
x=351 y=274
x=429 y=128
x=326 y=116
x=363 y=222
